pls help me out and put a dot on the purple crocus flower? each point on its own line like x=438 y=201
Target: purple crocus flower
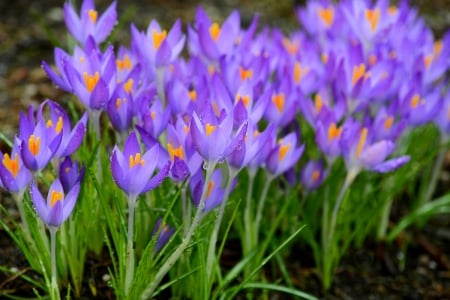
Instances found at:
x=165 y=232
x=312 y=175
x=284 y=155
x=360 y=153
x=39 y=143
x=58 y=206
x=214 y=191
x=58 y=120
x=132 y=169
x=89 y=23
x=14 y=176
x=70 y=173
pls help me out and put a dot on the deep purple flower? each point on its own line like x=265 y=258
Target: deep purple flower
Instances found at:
x=14 y=176
x=132 y=169
x=89 y=23
x=70 y=173
x=58 y=206
x=165 y=232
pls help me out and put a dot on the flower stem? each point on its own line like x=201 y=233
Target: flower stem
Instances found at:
x=148 y=292
x=129 y=271
x=261 y=203
x=213 y=240
x=54 y=294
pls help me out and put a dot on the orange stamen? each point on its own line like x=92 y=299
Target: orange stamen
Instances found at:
x=358 y=73
x=193 y=95
x=136 y=160
x=12 y=165
x=291 y=47
x=318 y=103
x=55 y=197
x=245 y=99
x=415 y=100
x=388 y=122
x=93 y=15
x=315 y=175
x=158 y=38
x=372 y=59
x=175 y=152
x=209 y=129
x=210 y=187
x=118 y=103
x=128 y=86
x=90 y=81
x=362 y=141
x=34 y=144
x=214 y=31
x=333 y=132
x=373 y=16
x=125 y=63
x=278 y=100
x=245 y=73
x=326 y=15
x=283 y=151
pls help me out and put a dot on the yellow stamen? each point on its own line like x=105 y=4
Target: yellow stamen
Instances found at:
x=90 y=81
x=324 y=58
x=209 y=129
x=437 y=48
x=125 y=63
x=284 y=149
x=81 y=59
x=128 y=86
x=193 y=95
x=278 y=100
x=214 y=31
x=358 y=73
x=388 y=122
x=245 y=73
x=93 y=15
x=333 y=132
x=158 y=38
x=55 y=197
x=210 y=187
x=153 y=114
x=215 y=108
x=136 y=160
x=49 y=124
x=373 y=16
x=362 y=141
x=326 y=15
x=186 y=129
x=175 y=152
x=315 y=175
x=12 y=165
x=318 y=103
x=34 y=144
x=211 y=69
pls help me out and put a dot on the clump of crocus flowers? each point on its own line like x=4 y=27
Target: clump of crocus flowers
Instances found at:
x=354 y=73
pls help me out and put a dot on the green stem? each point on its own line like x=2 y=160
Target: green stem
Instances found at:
x=129 y=267
x=54 y=283
x=212 y=242
x=19 y=202
x=247 y=213
x=261 y=203
x=431 y=187
x=148 y=292
x=382 y=229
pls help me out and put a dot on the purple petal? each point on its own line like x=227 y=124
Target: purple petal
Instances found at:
x=38 y=201
x=391 y=164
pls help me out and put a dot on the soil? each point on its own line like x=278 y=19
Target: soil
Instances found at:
x=417 y=266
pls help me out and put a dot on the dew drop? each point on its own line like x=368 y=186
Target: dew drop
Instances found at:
x=205 y=165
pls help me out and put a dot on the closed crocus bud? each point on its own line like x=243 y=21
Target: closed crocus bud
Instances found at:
x=312 y=175
x=165 y=232
x=70 y=173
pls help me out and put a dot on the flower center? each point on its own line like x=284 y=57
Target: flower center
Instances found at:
x=245 y=73
x=362 y=141
x=373 y=16
x=125 y=63
x=175 y=152
x=90 y=81
x=34 y=144
x=284 y=149
x=136 y=160
x=55 y=197
x=214 y=31
x=209 y=129
x=158 y=38
x=93 y=15
x=326 y=15
x=278 y=100
x=333 y=132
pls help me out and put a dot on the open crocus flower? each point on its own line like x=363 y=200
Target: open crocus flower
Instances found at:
x=312 y=175
x=14 y=176
x=132 y=169
x=58 y=206
x=284 y=155
x=360 y=153
x=38 y=144
x=89 y=23
x=58 y=122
